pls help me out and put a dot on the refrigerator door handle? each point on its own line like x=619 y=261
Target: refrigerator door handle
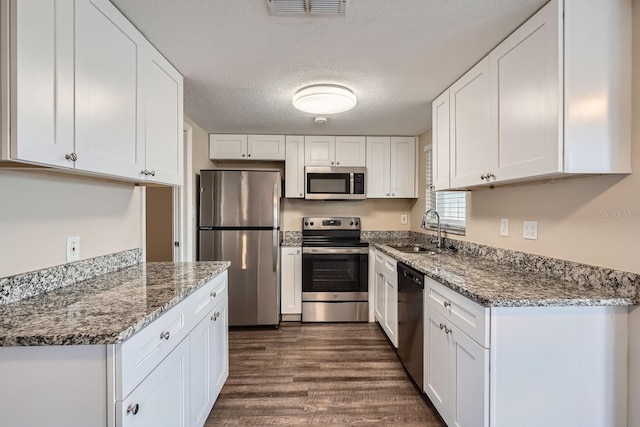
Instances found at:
x=276 y=197
x=275 y=249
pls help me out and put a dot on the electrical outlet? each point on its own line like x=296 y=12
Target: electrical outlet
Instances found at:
x=530 y=230
x=404 y=219
x=504 y=227
x=73 y=248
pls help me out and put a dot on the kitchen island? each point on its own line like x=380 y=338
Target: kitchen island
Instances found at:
x=504 y=346
x=145 y=345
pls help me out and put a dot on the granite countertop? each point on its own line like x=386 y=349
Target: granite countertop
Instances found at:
x=106 y=310
x=496 y=285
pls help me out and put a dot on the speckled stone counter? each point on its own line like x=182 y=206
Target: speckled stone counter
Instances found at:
x=105 y=310
x=292 y=238
x=497 y=285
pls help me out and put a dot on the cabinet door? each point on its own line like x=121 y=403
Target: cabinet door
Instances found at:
x=220 y=347
x=291 y=281
x=266 y=147
x=391 y=309
x=319 y=150
x=379 y=297
x=351 y=151
x=440 y=144
x=227 y=147
x=378 y=166
x=294 y=167
x=200 y=364
x=43 y=128
x=161 y=399
x=525 y=94
x=470 y=130
x=436 y=362
x=469 y=393
x=162 y=120
x=107 y=91
x=403 y=167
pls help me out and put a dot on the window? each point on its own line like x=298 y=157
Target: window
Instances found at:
x=451 y=205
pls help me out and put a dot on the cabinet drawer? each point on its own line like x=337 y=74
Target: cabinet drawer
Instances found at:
x=470 y=317
x=205 y=298
x=140 y=354
x=386 y=264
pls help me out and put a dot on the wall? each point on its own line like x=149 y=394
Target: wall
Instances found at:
x=580 y=219
x=159 y=224
x=39 y=210
x=376 y=214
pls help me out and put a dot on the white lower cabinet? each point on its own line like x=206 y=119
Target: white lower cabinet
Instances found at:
x=386 y=295
x=456 y=373
x=291 y=280
x=163 y=397
x=524 y=366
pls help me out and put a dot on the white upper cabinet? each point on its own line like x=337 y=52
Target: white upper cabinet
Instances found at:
x=266 y=147
x=470 y=137
x=90 y=93
x=335 y=151
x=350 y=151
x=378 y=166
x=391 y=167
x=440 y=144
x=227 y=147
x=294 y=166
x=163 y=119
x=107 y=90
x=403 y=166
x=319 y=150
x=42 y=67
x=551 y=100
x=246 y=147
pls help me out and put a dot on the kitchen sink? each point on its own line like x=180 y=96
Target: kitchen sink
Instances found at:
x=417 y=249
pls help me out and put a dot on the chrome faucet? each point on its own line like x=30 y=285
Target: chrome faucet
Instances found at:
x=424 y=225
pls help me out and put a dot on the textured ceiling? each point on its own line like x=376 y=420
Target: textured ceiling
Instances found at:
x=242 y=66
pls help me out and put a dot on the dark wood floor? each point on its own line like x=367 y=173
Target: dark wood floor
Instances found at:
x=318 y=374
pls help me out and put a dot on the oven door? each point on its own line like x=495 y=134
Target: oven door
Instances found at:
x=335 y=274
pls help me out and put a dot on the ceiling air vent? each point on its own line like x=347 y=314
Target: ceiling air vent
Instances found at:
x=307 y=7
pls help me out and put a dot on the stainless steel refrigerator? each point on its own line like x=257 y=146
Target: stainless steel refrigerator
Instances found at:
x=240 y=222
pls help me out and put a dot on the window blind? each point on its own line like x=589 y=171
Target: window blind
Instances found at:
x=450 y=205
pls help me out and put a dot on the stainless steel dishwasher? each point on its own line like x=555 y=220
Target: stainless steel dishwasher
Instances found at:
x=411 y=321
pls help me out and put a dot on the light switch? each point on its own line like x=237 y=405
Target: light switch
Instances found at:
x=404 y=219
x=73 y=248
x=504 y=227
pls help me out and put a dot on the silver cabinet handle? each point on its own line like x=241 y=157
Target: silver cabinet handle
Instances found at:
x=133 y=409
x=446 y=330
x=165 y=335
x=447 y=304
x=212 y=294
x=72 y=156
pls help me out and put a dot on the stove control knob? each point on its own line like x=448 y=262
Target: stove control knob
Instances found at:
x=306 y=223
x=351 y=223
x=356 y=222
x=311 y=223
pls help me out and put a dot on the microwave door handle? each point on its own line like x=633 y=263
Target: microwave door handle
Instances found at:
x=351 y=182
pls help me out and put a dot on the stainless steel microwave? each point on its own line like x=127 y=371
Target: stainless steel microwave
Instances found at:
x=334 y=183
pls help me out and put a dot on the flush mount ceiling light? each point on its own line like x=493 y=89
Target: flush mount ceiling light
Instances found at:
x=324 y=99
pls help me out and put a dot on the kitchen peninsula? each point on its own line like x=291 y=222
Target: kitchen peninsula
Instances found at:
x=116 y=349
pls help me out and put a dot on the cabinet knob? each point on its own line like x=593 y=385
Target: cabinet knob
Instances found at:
x=244 y=155
x=483 y=177
x=432 y=187
x=133 y=409
x=215 y=316
x=447 y=304
x=71 y=156
x=338 y=163
x=213 y=294
x=144 y=172
x=298 y=252
x=331 y=162
x=248 y=155
x=490 y=175
x=300 y=194
x=165 y=335
x=393 y=194
x=152 y=173
x=388 y=194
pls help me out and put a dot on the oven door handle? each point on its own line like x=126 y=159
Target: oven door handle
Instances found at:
x=327 y=251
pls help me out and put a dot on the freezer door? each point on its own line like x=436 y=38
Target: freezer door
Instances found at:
x=239 y=198
x=254 y=276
